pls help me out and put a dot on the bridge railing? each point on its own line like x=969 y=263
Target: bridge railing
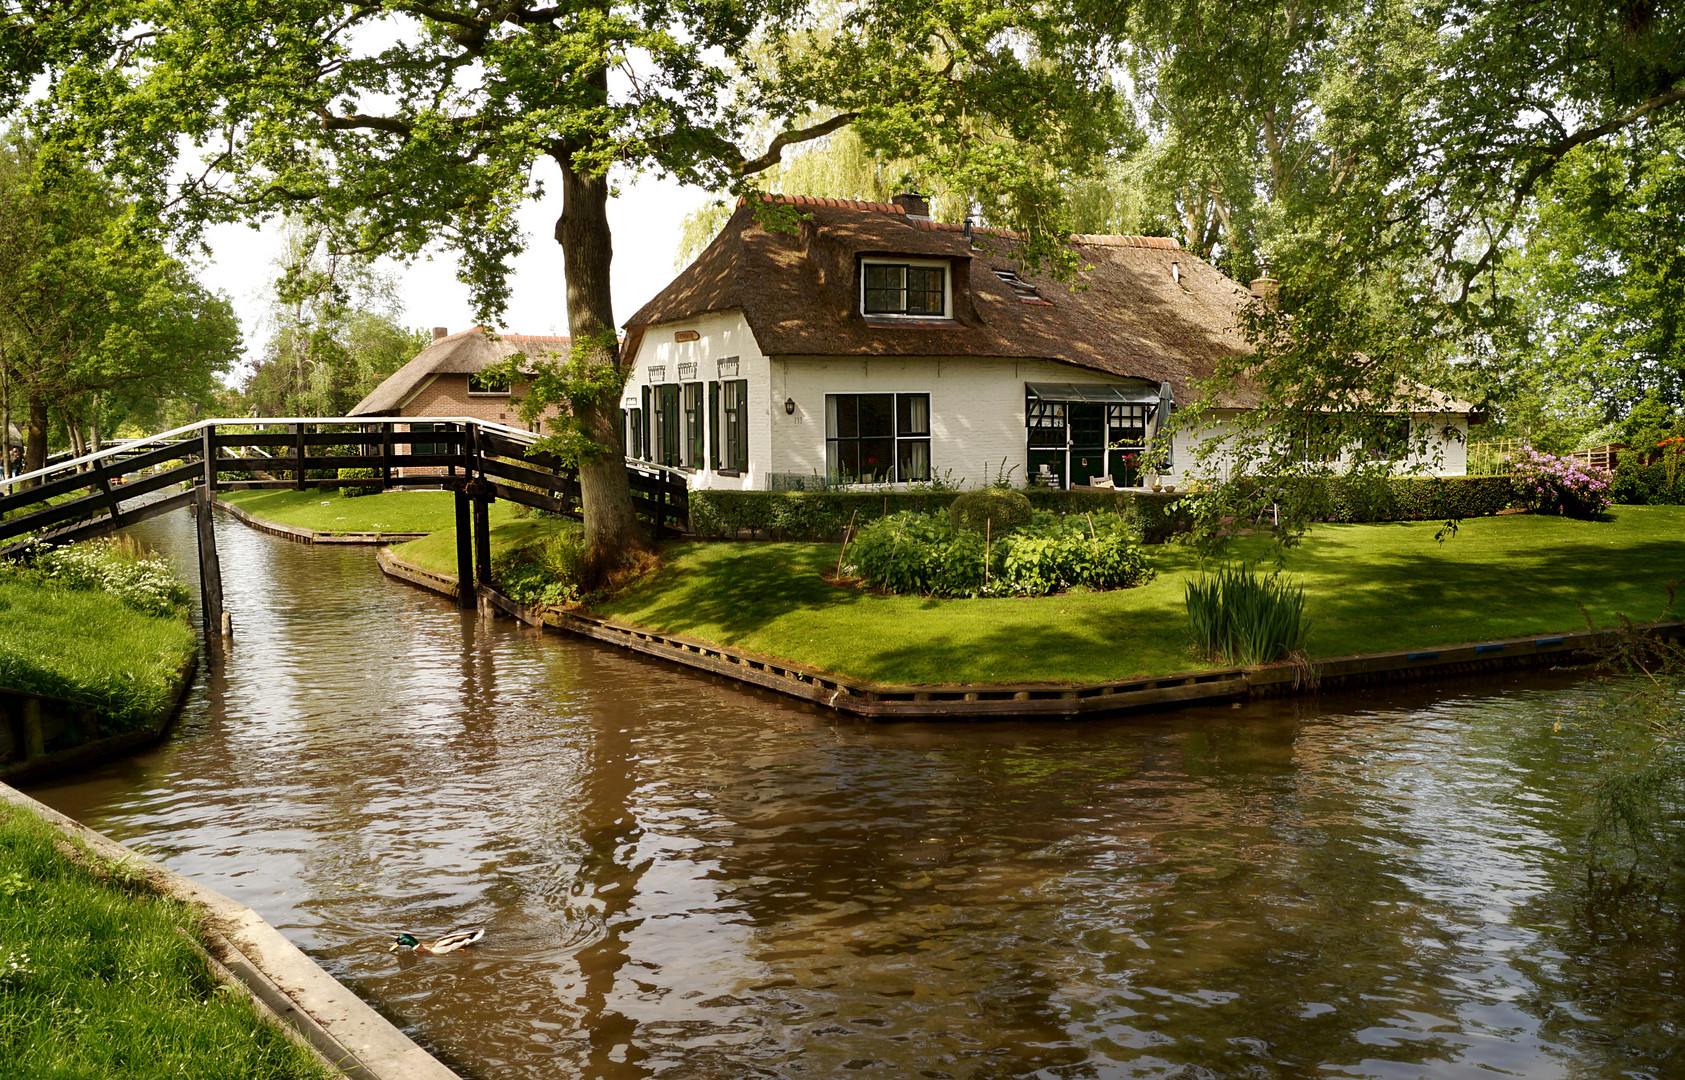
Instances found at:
x=94 y=493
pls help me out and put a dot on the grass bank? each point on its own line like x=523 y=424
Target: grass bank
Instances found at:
x=1371 y=588
x=437 y=551
x=89 y=646
x=99 y=977
x=386 y=511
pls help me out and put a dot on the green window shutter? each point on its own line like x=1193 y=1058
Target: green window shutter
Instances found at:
x=713 y=425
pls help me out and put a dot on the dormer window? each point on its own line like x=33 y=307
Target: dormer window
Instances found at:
x=904 y=288
x=1021 y=288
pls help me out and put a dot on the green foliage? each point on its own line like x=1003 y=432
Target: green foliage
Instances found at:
x=585 y=383
x=801 y=515
x=99 y=323
x=910 y=553
x=991 y=511
x=547 y=571
x=1638 y=482
x=1239 y=615
x=100 y=977
x=352 y=491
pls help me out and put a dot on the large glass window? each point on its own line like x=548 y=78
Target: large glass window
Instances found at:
x=691 y=453
x=877 y=438
x=900 y=289
x=1389 y=440
x=735 y=398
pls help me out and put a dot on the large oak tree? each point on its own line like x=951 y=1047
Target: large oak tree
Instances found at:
x=405 y=125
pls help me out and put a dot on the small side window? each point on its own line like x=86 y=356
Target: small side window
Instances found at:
x=487 y=385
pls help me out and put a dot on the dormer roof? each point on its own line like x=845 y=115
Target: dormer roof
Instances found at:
x=1129 y=313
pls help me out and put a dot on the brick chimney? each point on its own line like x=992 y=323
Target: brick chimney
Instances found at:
x=1265 y=288
x=440 y=333
x=916 y=205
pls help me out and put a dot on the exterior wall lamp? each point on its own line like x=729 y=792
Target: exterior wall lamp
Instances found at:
x=789 y=406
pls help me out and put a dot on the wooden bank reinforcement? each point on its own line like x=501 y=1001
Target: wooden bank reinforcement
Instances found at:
x=1049 y=700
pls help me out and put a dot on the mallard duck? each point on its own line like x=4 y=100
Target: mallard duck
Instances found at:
x=451 y=942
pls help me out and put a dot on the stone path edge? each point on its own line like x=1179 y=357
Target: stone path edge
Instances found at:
x=279 y=978
x=309 y=536
x=1047 y=700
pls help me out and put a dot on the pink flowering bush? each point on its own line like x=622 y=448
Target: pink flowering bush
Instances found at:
x=1560 y=485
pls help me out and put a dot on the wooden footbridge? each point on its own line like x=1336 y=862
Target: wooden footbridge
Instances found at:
x=480 y=461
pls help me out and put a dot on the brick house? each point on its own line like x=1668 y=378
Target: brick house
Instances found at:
x=446 y=379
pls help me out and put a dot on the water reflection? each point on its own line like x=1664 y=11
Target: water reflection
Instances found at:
x=680 y=878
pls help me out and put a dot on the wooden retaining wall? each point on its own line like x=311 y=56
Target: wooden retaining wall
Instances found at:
x=1052 y=700
x=41 y=735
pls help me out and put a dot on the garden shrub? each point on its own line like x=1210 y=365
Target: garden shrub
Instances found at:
x=1559 y=485
x=928 y=555
x=351 y=491
x=1093 y=551
x=1238 y=615
x=991 y=511
x=1413 y=498
x=1655 y=479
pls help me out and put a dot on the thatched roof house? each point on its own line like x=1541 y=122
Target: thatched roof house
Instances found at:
x=870 y=344
x=443 y=379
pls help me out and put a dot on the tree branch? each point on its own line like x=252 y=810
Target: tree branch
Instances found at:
x=775 y=150
x=361 y=121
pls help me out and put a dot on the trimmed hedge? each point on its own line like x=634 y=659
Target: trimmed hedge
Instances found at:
x=823 y=515
x=1417 y=498
x=1152 y=516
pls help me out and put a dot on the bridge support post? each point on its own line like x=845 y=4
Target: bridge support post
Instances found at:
x=210 y=570
x=210 y=566
x=464 y=552
x=482 y=534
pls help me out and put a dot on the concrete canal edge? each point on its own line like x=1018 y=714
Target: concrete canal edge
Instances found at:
x=1051 y=700
x=309 y=536
x=282 y=982
x=41 y=735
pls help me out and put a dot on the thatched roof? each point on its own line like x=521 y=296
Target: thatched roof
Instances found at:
x=465 y=353
x=1126 y=314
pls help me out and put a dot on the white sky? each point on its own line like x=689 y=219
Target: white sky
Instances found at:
x=645 y=219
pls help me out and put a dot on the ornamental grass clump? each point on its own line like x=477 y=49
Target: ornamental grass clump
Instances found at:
x=1549 y=484
x=1243 y=617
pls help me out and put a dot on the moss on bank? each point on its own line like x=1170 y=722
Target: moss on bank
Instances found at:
x=100 y=978
x=1371 y=588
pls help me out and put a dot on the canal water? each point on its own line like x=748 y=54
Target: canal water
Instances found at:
x=679 y=878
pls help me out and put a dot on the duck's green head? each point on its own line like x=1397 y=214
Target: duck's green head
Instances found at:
x=404 y=941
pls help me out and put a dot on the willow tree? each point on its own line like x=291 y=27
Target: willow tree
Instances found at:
x=405 y=125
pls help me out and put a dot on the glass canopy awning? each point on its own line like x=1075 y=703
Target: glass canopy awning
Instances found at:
x=1144 y=394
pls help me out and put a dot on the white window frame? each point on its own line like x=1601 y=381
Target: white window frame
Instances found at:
x=895 y=437
x=508 y=388
x=945 y=265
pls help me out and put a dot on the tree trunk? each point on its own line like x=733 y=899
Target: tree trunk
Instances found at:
x=35 y=446
x=612 y=530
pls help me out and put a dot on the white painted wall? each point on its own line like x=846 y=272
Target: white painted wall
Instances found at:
x=718 y=337
x=976 y=405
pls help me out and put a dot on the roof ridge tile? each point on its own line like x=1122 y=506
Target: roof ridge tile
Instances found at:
x=835 y=204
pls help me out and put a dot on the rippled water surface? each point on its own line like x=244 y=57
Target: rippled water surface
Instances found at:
x=683 y=879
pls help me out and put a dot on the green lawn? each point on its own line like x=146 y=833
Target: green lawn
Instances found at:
x=1370 y=587
x=386 y=511
x=89 y=646
x=437 y=551
x=98 y=978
